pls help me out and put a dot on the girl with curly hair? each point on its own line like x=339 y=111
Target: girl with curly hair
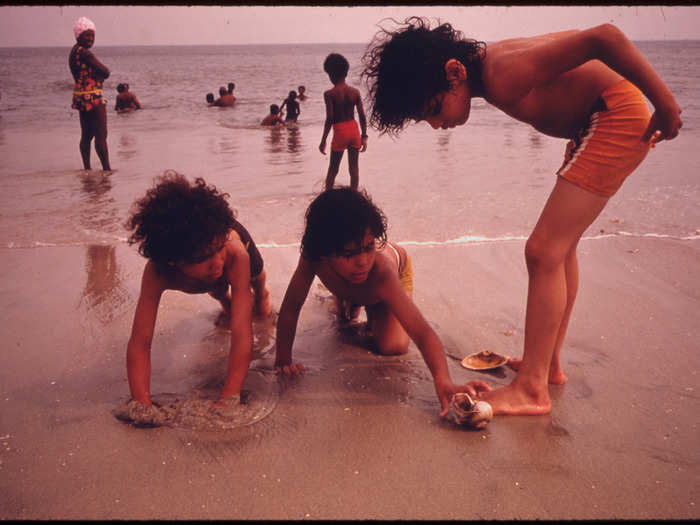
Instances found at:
x=194 y=245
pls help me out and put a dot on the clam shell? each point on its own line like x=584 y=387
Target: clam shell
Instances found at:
x=470 y=413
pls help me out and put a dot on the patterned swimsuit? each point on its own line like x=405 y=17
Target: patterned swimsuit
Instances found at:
x=87 y=94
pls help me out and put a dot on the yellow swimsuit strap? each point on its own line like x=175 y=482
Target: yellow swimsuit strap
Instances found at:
x=92 y=92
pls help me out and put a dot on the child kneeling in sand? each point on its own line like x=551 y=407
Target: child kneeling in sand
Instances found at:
x=344 y=244
x=194 y=244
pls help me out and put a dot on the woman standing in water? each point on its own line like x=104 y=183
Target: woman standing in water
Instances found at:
x=89 y=73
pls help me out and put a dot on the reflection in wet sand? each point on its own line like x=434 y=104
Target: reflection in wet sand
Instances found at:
x=126 y=149
x=103 y=295
x=294 y=143
x=273 y=140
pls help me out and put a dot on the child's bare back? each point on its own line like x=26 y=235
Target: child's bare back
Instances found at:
x=557 y=107
x=342 y=99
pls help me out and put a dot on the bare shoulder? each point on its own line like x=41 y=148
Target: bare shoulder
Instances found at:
x=152 y=281
x=511 y=68
x=385 y=274
x=236 y=252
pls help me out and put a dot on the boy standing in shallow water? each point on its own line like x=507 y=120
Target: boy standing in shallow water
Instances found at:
x=194 y=244
x=585 y=86
x=344 y=244
x=341 y=101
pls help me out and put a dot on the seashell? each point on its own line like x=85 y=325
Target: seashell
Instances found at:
x=470 y=413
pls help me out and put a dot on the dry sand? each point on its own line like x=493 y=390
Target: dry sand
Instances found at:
x=359 y=436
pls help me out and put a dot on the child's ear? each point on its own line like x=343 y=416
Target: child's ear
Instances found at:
x=455 y=71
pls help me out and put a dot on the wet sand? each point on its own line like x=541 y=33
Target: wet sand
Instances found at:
x=359 y=436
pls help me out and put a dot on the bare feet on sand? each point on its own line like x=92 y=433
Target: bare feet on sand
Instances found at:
x=556 y=375
x=512 y=400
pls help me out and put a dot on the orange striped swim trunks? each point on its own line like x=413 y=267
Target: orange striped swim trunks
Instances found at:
x=610 y=146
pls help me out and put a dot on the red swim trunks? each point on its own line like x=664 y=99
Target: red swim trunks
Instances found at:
x=610 y=146
x=346 y=135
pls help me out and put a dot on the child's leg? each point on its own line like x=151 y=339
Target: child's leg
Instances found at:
x=101 y=135
x=262 y=306
x=556 y=373
x=548 y=252
x=86 y=135
x=333 y=166
x=353 y=165
x=389 y=335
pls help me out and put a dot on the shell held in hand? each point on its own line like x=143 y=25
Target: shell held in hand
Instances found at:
x=470 y=413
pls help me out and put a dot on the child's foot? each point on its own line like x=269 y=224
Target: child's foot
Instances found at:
x=348 y=312
x=224 y=319
x=510 y=400
x=556 y=374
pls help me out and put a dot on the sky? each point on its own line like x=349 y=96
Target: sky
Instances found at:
x=30 y=26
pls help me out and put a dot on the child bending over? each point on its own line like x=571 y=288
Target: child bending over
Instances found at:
x=194 y=244
x=344 y=244
x=585 y=86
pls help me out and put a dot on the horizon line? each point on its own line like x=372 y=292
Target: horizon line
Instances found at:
x=277 y=44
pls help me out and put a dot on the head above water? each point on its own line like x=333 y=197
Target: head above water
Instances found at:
x=121 y=88
x=337 y=66
x=292 y=95
x=404 y=69
x=210 y=97
x=178 y=221
x=301 y=89
x=337 y=217
x=222 y=91
x=274 y=109
x=231 y=87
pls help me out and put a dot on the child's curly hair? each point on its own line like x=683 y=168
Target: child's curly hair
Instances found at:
x=177 y=221
x=339 y=216
x=337 y=66
x=405 y=68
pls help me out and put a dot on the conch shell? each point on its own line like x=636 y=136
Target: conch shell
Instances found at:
x=470 y=413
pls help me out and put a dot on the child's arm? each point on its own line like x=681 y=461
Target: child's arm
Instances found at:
x=238 y=274
x=136 y=101
x=328 y=123
x=427 y=342
x=138 y=350
x=363 y=121
x=288 y=317
x=522 y=70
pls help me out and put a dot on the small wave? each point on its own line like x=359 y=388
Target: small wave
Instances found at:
x=464 y=240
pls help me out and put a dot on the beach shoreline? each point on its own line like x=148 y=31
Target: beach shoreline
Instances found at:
x=358 y=437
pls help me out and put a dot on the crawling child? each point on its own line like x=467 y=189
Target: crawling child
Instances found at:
x=194 y=245
x=344 y=244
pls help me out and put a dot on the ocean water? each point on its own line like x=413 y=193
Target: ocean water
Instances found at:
x=482 y=182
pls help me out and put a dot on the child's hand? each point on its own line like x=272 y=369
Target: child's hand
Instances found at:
x=446 y=389
x=664 y=124
x=292 y=369
x=364 y=145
